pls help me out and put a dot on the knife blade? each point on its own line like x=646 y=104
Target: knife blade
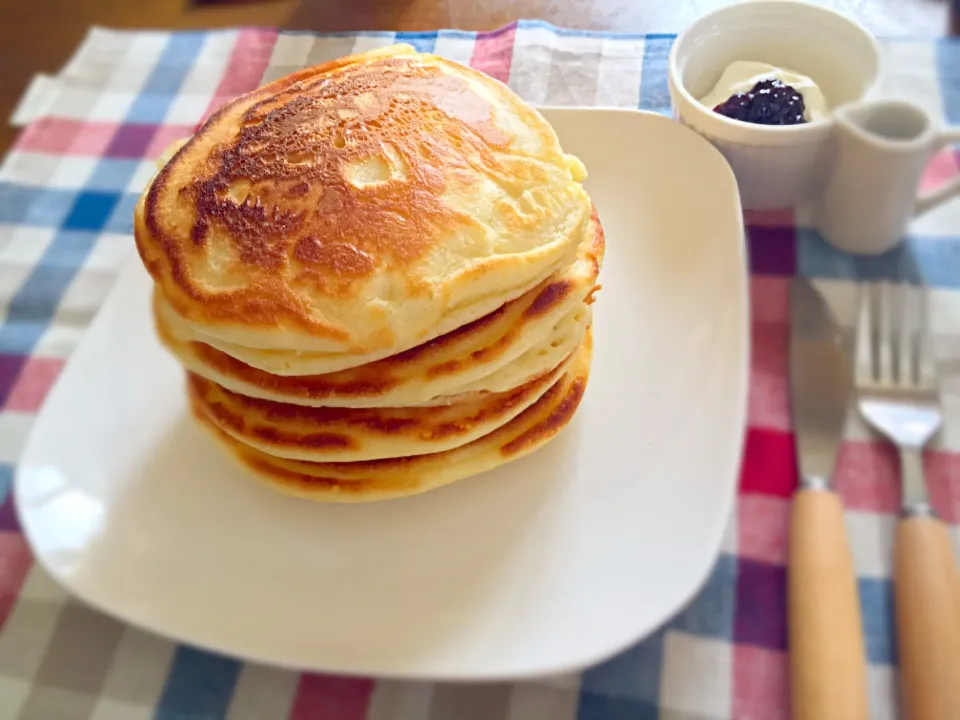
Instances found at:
x=827 y=657
x=820 y=383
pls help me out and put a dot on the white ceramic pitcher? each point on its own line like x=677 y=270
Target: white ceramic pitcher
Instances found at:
x=870 y=195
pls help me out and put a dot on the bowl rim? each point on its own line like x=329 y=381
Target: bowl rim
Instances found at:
x=770 y=132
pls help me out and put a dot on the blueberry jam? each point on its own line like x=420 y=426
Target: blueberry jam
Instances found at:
x=769 y=102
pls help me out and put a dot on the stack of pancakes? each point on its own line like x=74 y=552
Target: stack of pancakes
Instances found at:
x=378 y=274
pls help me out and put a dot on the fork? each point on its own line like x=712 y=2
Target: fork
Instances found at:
x=898 y=395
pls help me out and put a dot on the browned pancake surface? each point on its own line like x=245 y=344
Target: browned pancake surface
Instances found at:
x=398 y=477
x=347 y=183
x=354 y=434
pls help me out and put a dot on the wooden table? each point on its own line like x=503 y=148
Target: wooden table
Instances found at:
x=39 y=35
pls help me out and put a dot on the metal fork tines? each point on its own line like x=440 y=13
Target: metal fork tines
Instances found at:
x=896 y=378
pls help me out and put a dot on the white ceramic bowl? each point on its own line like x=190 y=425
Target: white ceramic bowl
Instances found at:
x=776 y=167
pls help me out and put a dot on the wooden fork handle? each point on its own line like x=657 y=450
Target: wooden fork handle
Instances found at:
x=928 y=625
x=828 y=665
x=949 y=558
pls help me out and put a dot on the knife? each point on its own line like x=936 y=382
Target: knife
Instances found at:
x=827 y=659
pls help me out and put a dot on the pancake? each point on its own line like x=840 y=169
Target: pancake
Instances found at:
x=520 y=341
x=352 y=435
x=432 y=374
x=515 y=330
x=361 y=206
x=399 y=477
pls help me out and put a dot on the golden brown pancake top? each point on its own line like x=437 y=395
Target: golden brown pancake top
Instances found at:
x=352 y=182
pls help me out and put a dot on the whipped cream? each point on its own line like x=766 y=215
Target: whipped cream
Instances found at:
x=740 y=76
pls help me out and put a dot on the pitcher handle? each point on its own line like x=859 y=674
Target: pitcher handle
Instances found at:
x=929 y=200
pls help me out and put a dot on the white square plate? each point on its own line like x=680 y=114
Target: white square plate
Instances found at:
x=546 y=565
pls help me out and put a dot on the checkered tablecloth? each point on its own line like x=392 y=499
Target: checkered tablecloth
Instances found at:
x=67 y=192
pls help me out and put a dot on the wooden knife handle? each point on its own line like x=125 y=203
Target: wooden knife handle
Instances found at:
x=928 y=628
x=828 y=665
